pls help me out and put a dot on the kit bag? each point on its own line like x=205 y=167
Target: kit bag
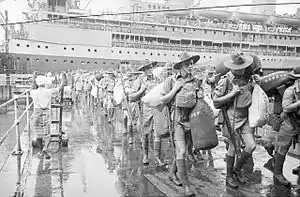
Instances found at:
x=202 y=124
x=259 y=110
x=152 y=98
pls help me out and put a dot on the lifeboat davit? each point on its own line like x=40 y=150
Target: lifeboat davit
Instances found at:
x=251 y=17
x=213 y=14
x=285 y=20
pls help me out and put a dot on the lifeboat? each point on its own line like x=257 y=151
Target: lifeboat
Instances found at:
x=77 y=12
x=213 y=14
x=251 y=17
x=177 y=13
x=285 y=20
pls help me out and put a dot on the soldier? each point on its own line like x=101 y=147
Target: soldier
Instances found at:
x=289 y=128
x=161 y=130
x=143 y=85
x=180 y=93
x=128 y=123
x=109 y=87
x=234 y=91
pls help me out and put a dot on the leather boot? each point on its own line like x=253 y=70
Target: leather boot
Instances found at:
x=278 y=176
x=145 y=149
x=238 y=168
x=130 y=134
x=157 y=153
x=270 y=149
x=230 y=182
x=182 y=172
x=198 y=155
x=296 y=171
x=172 y=176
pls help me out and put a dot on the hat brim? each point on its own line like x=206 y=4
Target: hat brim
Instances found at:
x=195 y=59
x=248 y=61
x=295 y=75
x=135 y=73
x=147 y=66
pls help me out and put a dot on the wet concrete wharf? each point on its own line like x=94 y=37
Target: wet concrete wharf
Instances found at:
x=98 y=162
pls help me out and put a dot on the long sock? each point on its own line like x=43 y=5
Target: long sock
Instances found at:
x=182 y=172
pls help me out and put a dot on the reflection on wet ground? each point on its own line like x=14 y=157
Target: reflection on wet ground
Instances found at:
x=99 y=162
x=6 y=121
x=96 y=163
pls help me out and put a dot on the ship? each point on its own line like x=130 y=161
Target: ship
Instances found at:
x=64 y=37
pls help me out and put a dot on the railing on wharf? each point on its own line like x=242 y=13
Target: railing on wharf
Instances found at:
x=17 y=120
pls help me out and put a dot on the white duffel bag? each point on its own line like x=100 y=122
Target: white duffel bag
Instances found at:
x=152 y=98
x=119 y=94
x=259 y=110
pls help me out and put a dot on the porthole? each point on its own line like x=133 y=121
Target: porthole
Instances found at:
x=128 y=52
x=46 y=60
x=144 y=53
x=54 y=61
x=27 y=45
x=88 y=62
x=65 y=48
x=158 y=54
x=38 y=46
x=89 y=50
x=104 y=63
x=112 y=51
x=46 y=47
x=173 y=54
x=27 y=59
x=204 y=57
x=178 y=55
x=71 y=61
x=73 y=49
x=151 y=53
x=37 y=60
x=65 y=61
x=18 y=45
x=120 y=52
x=136 y=53
x=209 y=57
x=18 y=58
x=95 y=50
x=165 y=54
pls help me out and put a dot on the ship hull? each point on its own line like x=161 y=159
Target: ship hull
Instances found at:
x=27 y=63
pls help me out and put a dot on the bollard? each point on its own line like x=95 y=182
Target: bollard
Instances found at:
x=19 y=150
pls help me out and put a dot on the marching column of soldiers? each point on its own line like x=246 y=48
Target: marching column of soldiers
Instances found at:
x=182 y=89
